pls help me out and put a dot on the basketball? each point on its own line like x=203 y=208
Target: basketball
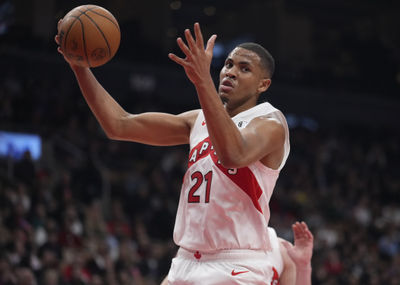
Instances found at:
x=89 y=36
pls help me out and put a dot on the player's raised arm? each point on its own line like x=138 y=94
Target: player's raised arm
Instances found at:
x=242 y=80
x=148 y=128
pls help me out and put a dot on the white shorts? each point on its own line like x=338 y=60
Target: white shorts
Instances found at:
x=242 y=267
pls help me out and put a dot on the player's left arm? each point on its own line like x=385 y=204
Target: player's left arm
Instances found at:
x=165 y=281
x=262 y=139
x=288 y=275
x=301 y=252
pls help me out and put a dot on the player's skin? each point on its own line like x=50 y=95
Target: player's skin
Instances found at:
x=296 y=258
x=242 y=80
x=297 y=268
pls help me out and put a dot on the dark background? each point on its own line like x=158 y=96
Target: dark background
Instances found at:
x=69 y=217
x=341 y=56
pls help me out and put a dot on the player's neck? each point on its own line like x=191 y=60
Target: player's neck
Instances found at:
x=234 y=110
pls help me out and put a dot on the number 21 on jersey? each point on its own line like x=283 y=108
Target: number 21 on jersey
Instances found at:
x=200 y=180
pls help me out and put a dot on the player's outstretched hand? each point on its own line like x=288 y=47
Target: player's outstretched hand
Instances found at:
x=301 y=252
x=198 y=59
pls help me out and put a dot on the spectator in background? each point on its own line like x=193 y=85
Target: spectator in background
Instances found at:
x=24 y=276
x=24 y=169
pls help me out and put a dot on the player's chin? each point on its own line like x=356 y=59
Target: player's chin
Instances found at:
x=224 y=97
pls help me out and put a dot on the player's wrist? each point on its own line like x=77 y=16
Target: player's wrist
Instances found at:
x=77 y=68
x=204 y=82
x=303 y=267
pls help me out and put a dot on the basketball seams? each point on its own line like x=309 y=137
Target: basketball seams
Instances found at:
x=108 y=18
x=92 y=9
x=64 y=43
x=96 y=17
x=102 y=33
x=88 y=9
x=84 y=41
x=77 y=18
x=67 y=32
x=72 y=24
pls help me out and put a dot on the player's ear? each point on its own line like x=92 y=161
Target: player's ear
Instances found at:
x=264 y=85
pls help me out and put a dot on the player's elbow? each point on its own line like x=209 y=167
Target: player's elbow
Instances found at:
x=116 y=128
x=230 y=161
x=112 y=131
x=112 y=135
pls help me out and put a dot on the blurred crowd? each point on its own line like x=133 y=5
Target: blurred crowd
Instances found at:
x=94 y=211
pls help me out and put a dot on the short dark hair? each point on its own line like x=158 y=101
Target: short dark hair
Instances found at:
x=267 y=61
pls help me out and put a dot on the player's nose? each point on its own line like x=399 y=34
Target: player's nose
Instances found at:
x=231 y=73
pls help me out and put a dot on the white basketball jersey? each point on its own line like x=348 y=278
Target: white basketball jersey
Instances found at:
x=223 y=208
x=275 y=256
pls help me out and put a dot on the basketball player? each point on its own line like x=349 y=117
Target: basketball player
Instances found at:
x=237 y=149
x=292 y=264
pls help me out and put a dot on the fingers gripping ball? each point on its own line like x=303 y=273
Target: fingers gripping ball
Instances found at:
x=89 y=36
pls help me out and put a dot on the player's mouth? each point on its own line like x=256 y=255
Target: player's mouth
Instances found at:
x=226 y=85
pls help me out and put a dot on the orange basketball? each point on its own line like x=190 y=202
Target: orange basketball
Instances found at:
x=89 y=35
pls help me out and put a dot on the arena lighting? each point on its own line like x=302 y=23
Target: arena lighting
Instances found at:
x=295 y=121
x=175 y=5
x=7 y=17
x=210 y=11
x=16 y=144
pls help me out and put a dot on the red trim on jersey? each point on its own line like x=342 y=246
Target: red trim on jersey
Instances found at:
x=275 y=278
x=246 y=181
x=243 y=177
x=197 y=153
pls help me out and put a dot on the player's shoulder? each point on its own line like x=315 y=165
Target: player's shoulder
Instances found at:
x=191 y=113
x=270 y=119
x=266 y=108
x=269 y=124
x=266 y=113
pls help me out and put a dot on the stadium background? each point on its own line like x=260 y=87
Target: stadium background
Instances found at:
x=95 y=211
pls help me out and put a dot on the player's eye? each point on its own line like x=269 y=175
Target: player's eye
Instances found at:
x=228 y=64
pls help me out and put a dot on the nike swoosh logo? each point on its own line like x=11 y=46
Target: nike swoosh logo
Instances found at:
x=234 y=273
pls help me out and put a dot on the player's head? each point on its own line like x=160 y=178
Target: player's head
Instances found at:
x=245 y=75
x=266 y=60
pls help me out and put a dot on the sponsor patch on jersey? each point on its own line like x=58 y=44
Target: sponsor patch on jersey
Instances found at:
x=242 y=124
